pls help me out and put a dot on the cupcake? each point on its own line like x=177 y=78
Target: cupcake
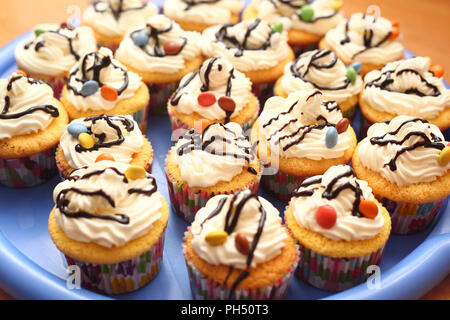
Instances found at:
x=111 y=19
x=307 y=21
x=98 y=84
x=253 y=47
x=52 y=51
x=237 y=248
x=197 y=15
x=406 y=87
x=162 y=54
x=324 y=71
x=109 y=220
x=219 y=160
x=31 y=123
x=406 y=163
x=340 y=227
x=88 y=140
x=373 y=41
x=299 y=137
x=216 y=92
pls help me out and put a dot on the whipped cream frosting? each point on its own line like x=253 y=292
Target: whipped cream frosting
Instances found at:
x=113 y=18
x=219 y=154
x=56 y=50
x=296 y=127
x=287 y=12
x=364 y=38
x=151 y=56
x=322 y=70
x=339 y=188
x=218 y=77
x=26 y=104
x=242 y=213
x=406 y=87
x=117 y=135
x=404 y=150
x=249 y=45
x=202 y=11
x=98 y=204
x=101 y=67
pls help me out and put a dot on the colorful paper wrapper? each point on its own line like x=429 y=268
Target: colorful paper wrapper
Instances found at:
x=159 y=96
x=335 y=274
x=186 y=202
x=28 y=171
x=203 y=288
x=122 y=277
x=140 y=117
x=57 y=84
x=282 y=185
x=408 y=218
x=263 y=91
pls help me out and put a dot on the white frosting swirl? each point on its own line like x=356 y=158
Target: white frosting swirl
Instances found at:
x=100 y=125
x=412 y=166
x=271 y=241
x=142 y=210
x=294 y=127
x=380 y=51
x=112 y=75
x=263 y=48
x=150 y=61
x=348 y=227
x=411 y=89
x=322 y=70
x=52 y=52
x=325 y=17
x=24 y=93
x=210 y=12
x=107 y=18
x=221 y=76
x=219 y=154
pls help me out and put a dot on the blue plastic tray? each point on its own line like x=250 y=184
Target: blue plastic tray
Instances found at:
x=32 y=268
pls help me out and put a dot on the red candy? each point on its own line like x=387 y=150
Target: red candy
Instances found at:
x=326 y=216
x=227 y=104
x=206 y=99
x=394 y=33
x=171 y=47
x=342 y=125
x=368 y=209
x=242 y=244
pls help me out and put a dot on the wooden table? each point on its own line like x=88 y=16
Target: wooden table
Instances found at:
x=424 y=25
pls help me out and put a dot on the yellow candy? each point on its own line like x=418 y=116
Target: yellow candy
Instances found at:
x=135 y=172
x=337 y=5
x=444 y=156
x=216 y=238
x=86 y=140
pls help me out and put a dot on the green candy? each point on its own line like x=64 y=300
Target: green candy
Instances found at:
x=278 y=27
x=307 y=13
x=38 y=32
x=351 y=75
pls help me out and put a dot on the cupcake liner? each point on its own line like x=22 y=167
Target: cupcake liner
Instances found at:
x=187 y=202
x=140 y=117
x=159 y=96
x=263 y=91
x=282 y=185
x=203 y=288
x=409 y=218
x=335 y=274
x=122 y=277
x=28 y=171
x=57 y=84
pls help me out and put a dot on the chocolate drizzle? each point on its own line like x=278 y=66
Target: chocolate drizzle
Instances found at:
x=192 y=3
x=115 y=12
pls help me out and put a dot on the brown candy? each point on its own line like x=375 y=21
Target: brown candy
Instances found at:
x=242 y=244
x=342 y=125
x=227 y=104
x=171 y=47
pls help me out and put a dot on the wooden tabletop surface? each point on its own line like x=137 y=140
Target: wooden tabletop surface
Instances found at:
x=424 y=25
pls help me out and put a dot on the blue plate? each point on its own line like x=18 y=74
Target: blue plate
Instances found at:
x=32 y=268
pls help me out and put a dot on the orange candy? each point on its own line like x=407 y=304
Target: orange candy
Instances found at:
x=104 y=156
x=368 y=208
x=23 y=73
x=438 y=70
x=394 y=23
x=394 y=33
x=109 y=93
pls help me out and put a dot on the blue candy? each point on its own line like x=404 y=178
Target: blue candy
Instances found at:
x=89 y=87
x=331 y=138
x=76 y=128
x=357 y=66
x=140 y=39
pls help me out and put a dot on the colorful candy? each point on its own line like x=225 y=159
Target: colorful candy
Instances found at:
x=368 y=208
x=75 y=129
x=394 y=23
x=38 y=32
x=86 y=140
x=444 y=156
x=172 y=47
x=395 y=32
x=278 y=27
x=326 y=216
x=216 y=238
x=337 y=5
x=331 y=137
x=206 y=99
x=105 y=157
x=351 y=75
x=438 y=70
x=135 y=172
x=242 y=244
x=307 y=13
x=342 y=125
x=357 y=66
x=140 y=39
x=109 y=93
x=227 y=104
x=20 y=72
x=89 y=88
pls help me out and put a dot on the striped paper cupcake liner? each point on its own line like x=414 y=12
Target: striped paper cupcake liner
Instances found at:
x=282 y=185
x=28 y=171
x=57 y=84
x=203 y=288
x=141 y=117
x=409 y=218
x=122 y=277
x=159 y=96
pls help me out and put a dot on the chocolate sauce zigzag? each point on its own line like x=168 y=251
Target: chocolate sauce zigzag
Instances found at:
x=116 y=13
